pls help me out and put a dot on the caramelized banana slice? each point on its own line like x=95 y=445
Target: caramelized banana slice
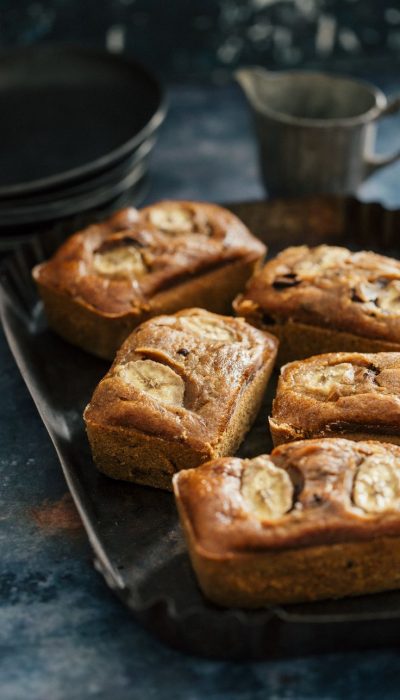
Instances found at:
x=155 y=379
x=122 y=261
x=389 y=298
x=324 y=380
x=266 y=489
x=208 y=328
x=320 y=259
x=376 y=485
x=171 y=219
x=367 y=291
x=380 y=295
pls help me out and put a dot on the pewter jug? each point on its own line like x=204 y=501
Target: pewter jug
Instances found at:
x=315 y=131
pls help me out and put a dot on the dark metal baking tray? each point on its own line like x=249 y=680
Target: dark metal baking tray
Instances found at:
x=134 y=531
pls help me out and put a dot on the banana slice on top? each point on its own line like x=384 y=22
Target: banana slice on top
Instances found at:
x=266 y=489
x=389 y=298
x=324 y=380
x=155 y=379
x=171 y=219
x=379 y=295
x=208 y=328
x=320 y=259
x=122 y=261
x=376 y=485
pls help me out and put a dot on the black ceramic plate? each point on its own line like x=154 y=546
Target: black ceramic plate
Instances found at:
x=12 y=237
x=134 y=531
x=78 y=188
x=84 y=109
x=61 y=208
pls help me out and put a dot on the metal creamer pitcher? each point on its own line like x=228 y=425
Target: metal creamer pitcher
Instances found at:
x=315 y=131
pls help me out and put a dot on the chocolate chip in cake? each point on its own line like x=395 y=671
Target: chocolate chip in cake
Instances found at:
x=289 y=280
x=317 y=499
x=372 y=371
x=118 y=242
x=355 y=297
x=183 y=351
x=268 y=320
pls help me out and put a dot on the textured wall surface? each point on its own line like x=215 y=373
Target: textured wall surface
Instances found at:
x=202 y=39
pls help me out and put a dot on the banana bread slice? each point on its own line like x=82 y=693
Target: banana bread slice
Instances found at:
x=183 y=389
x=105 y=280
x=326 y=299
x=354 y=395
x=315 y=519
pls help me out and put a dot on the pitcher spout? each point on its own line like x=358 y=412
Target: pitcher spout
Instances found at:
x=255 y=82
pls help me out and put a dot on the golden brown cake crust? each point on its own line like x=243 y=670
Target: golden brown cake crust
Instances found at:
x=323 y=472
x=327 y=287
x=315 y=519
x=107 y=279
x=178 y=381
x=157 y=258
x=338 y=394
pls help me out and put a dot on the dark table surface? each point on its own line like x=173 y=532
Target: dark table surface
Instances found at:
x=63 y=634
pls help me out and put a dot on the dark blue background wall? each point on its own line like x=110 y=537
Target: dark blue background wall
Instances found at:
x=205 y=39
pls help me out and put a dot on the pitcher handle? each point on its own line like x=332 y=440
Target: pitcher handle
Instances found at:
x=375 y=161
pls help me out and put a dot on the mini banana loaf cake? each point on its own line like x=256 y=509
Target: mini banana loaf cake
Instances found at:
x=183 y=389
x=107 y=279
x=326 y=299
x=348 y=394
x=315 y=519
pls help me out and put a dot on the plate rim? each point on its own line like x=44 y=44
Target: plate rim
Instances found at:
x=110 y=158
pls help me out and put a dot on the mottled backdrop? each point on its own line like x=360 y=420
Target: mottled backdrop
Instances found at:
x=205 y=39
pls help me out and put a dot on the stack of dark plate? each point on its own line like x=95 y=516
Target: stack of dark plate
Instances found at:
x=77 y=127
